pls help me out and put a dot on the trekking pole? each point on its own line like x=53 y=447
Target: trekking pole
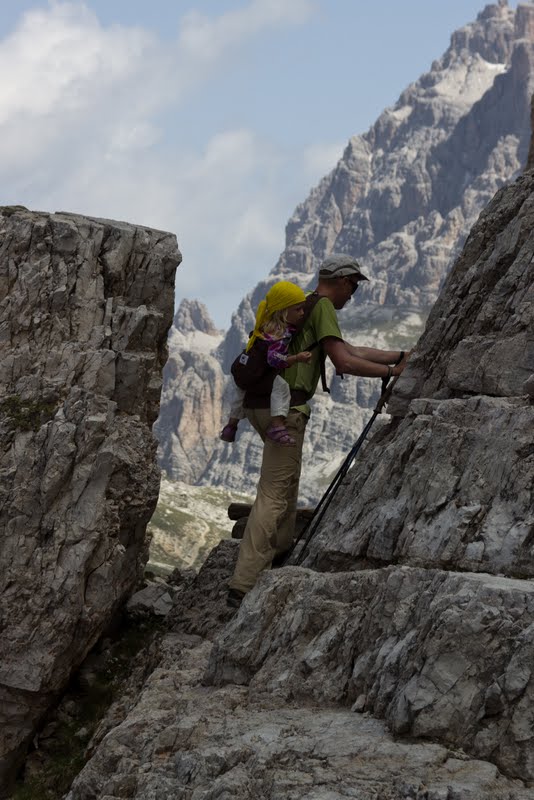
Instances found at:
x=311 y=527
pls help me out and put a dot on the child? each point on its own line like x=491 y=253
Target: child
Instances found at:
x=276 y=321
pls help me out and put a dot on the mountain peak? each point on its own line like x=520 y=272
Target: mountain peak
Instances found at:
x=491 y=36
x=192 y=315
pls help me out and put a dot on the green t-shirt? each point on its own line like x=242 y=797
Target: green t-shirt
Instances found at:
x=321 y=323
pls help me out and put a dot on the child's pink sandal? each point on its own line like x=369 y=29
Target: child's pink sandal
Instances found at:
x=228 y=433
x=280 y=435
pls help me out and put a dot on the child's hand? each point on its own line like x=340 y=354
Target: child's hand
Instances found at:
x=305 y=357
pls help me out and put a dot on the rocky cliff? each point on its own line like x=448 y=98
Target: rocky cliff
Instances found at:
x=402 y=198
x=434 y=633
x=397 y=663
x=85 y=307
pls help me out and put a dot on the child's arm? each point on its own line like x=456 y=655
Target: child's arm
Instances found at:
x=277 y=355
x=304 y=358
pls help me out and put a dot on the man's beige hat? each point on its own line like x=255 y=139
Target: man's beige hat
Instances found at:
x=338 y=265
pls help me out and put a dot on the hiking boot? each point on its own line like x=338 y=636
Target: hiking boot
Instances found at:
x=234 y=598
x=278 y=560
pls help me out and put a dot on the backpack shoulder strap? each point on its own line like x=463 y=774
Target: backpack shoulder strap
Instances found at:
x=309 y=304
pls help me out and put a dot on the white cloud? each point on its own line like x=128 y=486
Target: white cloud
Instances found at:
x=232 y=152
x=254 y=229
x=130 y=138
x=320 y=159
x=72 y=92
x=205 y=39
x=61 y=59
x=81 y=130
x=232 y=216
x=64 y=67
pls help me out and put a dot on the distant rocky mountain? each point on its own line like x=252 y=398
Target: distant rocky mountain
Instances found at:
x=192 y=395
x=402 y=199
x=193 y=317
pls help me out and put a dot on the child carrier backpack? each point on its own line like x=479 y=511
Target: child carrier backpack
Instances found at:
x=251 y=371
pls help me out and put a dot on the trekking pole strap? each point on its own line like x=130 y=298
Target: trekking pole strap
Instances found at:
x=387 y=389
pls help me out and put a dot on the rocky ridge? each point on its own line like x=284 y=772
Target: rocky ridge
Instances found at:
x=397 y=662
x=246 y=745
x=85 y=307
x=434 y=631
x=465 y=383
x=402 y=198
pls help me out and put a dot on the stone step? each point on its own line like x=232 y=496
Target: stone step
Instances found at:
x=451 y=487
x=440 y=655
x=180 y=740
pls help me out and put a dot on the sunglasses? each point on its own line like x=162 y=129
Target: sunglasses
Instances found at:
x=353 y=284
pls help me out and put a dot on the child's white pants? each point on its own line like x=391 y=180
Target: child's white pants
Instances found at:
x=280 y=399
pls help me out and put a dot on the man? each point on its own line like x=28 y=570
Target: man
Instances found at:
x=271 y=524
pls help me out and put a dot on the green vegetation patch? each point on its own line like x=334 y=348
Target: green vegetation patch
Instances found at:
x=188 y=523
x=169 y=519
x=26 y=415
x=8 y=211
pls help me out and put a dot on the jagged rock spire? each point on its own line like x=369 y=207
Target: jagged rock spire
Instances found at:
x=192 y=315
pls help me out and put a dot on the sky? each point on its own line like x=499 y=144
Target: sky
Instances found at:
x=210 y=119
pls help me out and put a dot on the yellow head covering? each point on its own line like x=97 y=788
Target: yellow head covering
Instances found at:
x=282 y=295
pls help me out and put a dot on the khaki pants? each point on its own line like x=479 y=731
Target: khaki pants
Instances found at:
x=271 y=524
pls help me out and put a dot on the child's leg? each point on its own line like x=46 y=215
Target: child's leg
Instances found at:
x=236 y=403
x=236 y=413
x=280 y=400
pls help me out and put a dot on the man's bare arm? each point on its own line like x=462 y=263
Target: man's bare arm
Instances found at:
x=372 y=354
x=350 y=361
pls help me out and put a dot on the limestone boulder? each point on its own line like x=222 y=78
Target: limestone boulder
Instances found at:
x=85 y=306
x=452 y=487
x=451 y=484
x=282 y=736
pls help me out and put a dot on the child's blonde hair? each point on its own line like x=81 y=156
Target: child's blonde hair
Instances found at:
x=280 y=297
x=276 y=324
